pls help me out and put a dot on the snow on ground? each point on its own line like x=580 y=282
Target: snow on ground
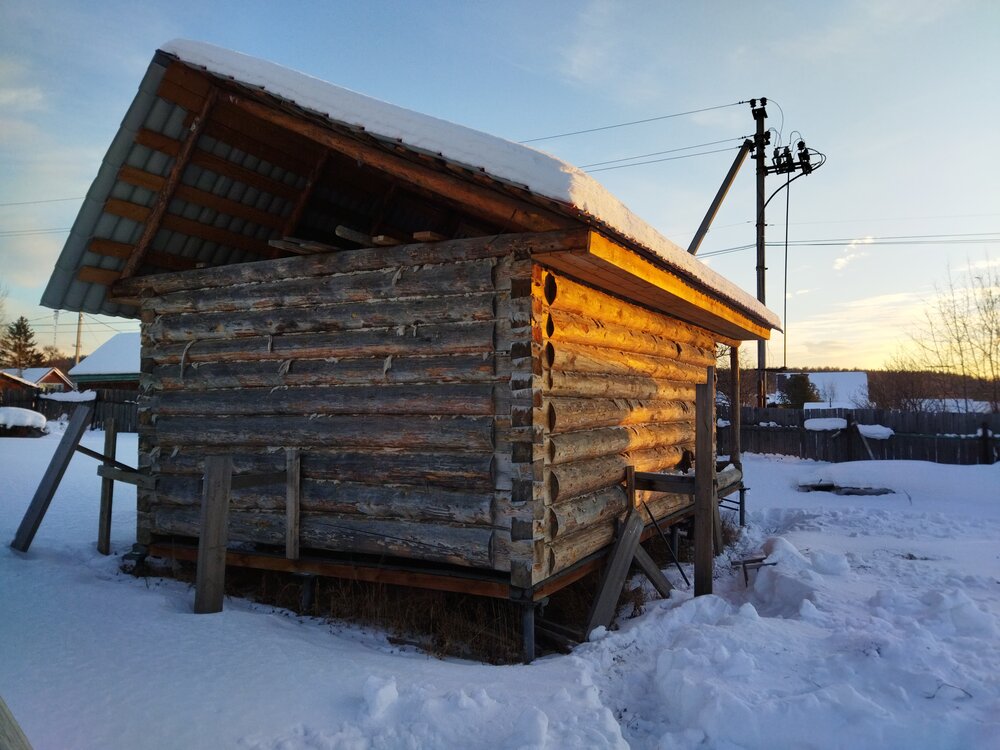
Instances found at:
x=874 y=624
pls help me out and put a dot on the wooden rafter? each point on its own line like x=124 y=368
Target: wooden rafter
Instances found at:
x=506 y=210
x=303 y=200
x=190 y=194
x=173 y=179
x=218 y=165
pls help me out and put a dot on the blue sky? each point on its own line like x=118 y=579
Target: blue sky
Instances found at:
x=900 y=94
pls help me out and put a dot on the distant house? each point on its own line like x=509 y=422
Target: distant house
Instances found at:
x=46 y=378
x=12 y=386
x=114 y=364
x=837 y=390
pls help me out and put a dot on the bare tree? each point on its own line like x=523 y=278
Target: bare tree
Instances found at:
x=961 y=330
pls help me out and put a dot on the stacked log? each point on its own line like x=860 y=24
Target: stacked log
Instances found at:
x=618 y=386
x=391 y=370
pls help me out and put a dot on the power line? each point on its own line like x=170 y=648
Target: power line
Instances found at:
x=632 y=122
x=48 y=200
x=667 y=158
x=29 y=232
x=659 y=153
x=970 y=238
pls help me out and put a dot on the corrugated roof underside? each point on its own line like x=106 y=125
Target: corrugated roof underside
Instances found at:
x=151 y=113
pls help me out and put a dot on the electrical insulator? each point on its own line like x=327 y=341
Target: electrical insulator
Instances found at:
x=804 y=163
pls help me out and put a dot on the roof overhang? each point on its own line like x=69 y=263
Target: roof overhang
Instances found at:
x=609 y=266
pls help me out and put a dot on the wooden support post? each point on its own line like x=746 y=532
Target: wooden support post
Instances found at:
x=704 y=483
x=11 y=735
x=293 y=484
x=78 y=424
x=615 y=572
x=107 y=489
x=211 y=574
x=735 y=417
x=528 y=631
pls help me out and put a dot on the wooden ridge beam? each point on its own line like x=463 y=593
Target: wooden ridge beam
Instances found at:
x=504 y=209
x=166 y=193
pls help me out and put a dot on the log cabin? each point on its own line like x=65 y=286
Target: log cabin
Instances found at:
x=466 y=341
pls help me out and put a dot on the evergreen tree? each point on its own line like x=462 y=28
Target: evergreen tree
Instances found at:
x=17 y=346
x=798 y=390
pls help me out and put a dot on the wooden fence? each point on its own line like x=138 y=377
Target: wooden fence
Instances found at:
x=943 y=438
x=120 y=405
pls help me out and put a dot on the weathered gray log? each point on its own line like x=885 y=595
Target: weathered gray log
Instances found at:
x=360 y=500
x=468 y=546
x=324 y=318
x=427 y=338
x=107 y=490
x=347 y=261
x=375 y=431
x=389 y=283
x=580 y=358
x=435 y=398
x=575 y=515
x=575 y=446
x=652 y=572
x=33 y=516
x=450 y=368
x=597 y=385
x=571 y=414
x=212 y=536
x=566 y=550
x=704 y=504
x=567 y=327
x=446 y=469
x=579 y=477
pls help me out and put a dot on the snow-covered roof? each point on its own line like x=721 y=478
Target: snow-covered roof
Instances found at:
x=9 y=375
x=521 y=165
x=119 y=355
x=31 y=374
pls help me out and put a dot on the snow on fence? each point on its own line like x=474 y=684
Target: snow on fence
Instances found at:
x=110 y=403
x=944 y=438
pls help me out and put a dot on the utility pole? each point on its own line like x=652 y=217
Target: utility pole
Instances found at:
x=760 y=141
x=79 y=332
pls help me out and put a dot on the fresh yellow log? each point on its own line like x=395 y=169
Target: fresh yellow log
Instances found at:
x=570 y=414
x=562 y=326
x=562 y=293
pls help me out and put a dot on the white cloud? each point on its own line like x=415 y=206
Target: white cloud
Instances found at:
x=21 y=97
x=852 y=252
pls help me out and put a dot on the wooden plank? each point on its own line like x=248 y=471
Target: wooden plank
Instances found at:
x=113 y=473
x=93 y=275
x=653 y=572
x=127 y=210
x=221 y=236
x=213 y=537
x=353 y=235
x=735 y=409
x=428 y=236
x=355 y=570
x=78 y=424
x=613 y=578
x=293 y=462
x=385 y=240
x=705 y=504
x=108 y=248
x=484 y=200
x=657 y=482
x=11 y=735
x=170 y=183
x=107 y=489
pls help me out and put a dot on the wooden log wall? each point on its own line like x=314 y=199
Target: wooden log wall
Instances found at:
x=615 y=386
x=391 y=370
